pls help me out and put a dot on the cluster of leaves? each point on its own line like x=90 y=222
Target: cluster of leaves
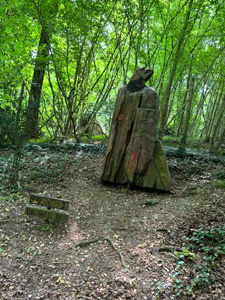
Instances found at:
x=211 y=242
x=205 y=248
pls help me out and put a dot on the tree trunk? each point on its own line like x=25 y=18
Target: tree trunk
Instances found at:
x=31 y=124
x=183 y=141
x=216 y=130
x=212 y=110
x=221 y=139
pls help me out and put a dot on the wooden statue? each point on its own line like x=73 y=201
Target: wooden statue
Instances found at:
x=135 y=156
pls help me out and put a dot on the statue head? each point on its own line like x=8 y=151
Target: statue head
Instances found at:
x=143 y=73
x=137 y=81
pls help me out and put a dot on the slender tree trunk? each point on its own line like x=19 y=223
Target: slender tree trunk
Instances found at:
x=14 y=174
x=165 y=116
x=181 y=118
x=184 y=104
x=212 y=111
x=183 y=141
x=221 y=139
x=216 y=130
x=19 y=107
x=31 y=124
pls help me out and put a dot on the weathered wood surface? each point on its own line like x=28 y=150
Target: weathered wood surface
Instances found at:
x=142 y=143
x=47 y=214
x=157 y=175
x=49 y=202
x=122 y=128
x=133 y=152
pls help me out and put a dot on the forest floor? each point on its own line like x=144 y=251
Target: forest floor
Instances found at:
x=134 y=243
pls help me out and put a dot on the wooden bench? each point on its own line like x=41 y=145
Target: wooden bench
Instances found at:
x=52 y=212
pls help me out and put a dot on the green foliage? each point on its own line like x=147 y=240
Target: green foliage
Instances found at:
x=10 y=197
x=46 y=227
x=170 y=140
x=209 y=247
x=94 y=48
x=7 y=126
x=203 y=276
x=185 y=253
x=177 y=285
x=220 y=183
x=126 y=191
x=85 y=139
x=209 y=241
x=46 y=175
x=99 y=138
x=221 y=176
x=41 y=140
x=150 y=202
x=211 y=244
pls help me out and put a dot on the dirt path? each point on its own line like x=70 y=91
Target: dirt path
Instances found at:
x=130 y=249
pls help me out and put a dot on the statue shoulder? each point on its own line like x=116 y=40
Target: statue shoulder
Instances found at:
x=150 y=98
x=149 y=89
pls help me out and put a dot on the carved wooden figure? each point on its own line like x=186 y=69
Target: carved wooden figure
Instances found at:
x=135 y=155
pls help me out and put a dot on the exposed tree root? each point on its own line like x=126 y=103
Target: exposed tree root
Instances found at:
x=110 y=242
x=86 y=243
x=119 y=253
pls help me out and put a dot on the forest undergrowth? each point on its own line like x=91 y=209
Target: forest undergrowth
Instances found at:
x=119 y=243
